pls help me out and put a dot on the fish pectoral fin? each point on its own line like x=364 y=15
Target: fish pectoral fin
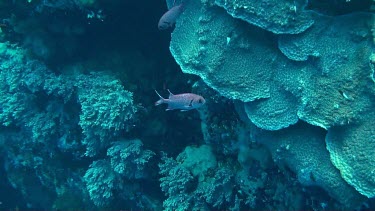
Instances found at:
x=190 y=104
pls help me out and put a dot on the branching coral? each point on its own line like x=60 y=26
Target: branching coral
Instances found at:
x=128 y=158
x=106 y=110
x=126 y=163
x=176 y=183
x=25 y=85
x=217 y=190
x=101 y=181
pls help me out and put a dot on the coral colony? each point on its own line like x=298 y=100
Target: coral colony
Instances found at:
x=279 y=98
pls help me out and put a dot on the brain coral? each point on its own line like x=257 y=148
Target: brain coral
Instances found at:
x=277 y=16
x=351 y=149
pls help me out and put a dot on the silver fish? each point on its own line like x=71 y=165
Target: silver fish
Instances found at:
x=184 y=102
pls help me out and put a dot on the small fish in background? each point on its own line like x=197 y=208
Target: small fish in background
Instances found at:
x=184 y=102
x=169 y=18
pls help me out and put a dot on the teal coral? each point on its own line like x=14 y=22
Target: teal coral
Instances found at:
x=352 y=152
x=345 y=76
x=302 y=149
x=189 y=184
x=107 y=108
x=22 y=80
x=279 y=17
x=101 y=182
x=120 y=172
x=175 y=182
x=219 y=189
x=274 y=113
x=223 y=57
x=198 y=159
x=241 y=63
x=129 y=159
x=281 y=65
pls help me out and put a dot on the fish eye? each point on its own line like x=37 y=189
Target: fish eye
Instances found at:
x=200 y=101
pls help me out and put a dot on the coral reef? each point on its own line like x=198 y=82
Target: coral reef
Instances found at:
x=204 y=52
x=322 y=77
x=279 y=17
x=351 y=150
x=129 y=159
x=274 y=113
x=176 y=182
x=301 y=148
x=287 y=124
x=344 y=73
x=106 y=110
x=240 y=64
x=101 y=181
x=121 y=172
x=42 y=108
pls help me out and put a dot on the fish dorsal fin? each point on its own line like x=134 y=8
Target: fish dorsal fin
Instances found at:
x=170 y=3
x=159 y=95
x=170 y=93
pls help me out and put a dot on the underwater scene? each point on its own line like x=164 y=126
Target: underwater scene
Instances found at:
x=187 y=105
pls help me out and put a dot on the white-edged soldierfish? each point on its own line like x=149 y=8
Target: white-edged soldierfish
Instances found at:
x=183 y=102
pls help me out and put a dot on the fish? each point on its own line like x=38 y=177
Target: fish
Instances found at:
x=184 y=102
x=169 y=18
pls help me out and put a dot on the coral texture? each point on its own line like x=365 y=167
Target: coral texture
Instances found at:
x=302 y=149
x=107 y=108
x=279 y=17
x=351 y=149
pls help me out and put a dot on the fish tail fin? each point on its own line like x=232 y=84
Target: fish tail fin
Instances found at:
x=161 y=100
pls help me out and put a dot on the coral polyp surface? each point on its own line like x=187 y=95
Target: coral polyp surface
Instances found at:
x=279 y=17
x=351 y=149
